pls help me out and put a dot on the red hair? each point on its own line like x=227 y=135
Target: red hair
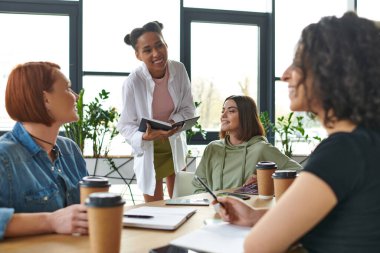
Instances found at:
x=24 y=93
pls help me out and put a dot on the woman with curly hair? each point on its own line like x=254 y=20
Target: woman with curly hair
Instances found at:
x=334 y=204
x=160 y=89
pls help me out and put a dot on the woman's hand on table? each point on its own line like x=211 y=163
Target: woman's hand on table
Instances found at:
x=251 y=180
x=69 y=220
x=236 y=211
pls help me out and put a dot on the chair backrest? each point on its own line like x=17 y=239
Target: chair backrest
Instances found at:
x=182 y=184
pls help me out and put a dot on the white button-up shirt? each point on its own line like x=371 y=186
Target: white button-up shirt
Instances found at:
x=137 y=103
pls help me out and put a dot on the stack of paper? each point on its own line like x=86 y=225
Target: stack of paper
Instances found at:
x=166 y=218
x=218 y=238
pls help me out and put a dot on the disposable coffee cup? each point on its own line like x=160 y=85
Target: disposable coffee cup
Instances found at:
x=264 y=171
x=282 y=179
x=105 y=216
x=92 y=184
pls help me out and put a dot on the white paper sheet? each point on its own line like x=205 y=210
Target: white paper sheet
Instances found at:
x=217 y=238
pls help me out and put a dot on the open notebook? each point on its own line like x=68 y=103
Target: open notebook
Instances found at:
x=158 y=124
x=166 y=218
x=217 y=238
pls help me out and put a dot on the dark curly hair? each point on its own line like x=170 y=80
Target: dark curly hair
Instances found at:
x=154 y=26
x=250 y=124
x=342 y=55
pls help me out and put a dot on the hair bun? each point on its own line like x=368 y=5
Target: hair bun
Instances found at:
x=159 y=24
x=153 y=26
x=127 y=39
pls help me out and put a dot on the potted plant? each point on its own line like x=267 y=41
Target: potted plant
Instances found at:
x=76 y=130
x=95 y=123
x=98 y=125
x=289 y=129
x=196 y=129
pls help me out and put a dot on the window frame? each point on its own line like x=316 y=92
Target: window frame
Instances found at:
x=71 y=8
x=266 y=53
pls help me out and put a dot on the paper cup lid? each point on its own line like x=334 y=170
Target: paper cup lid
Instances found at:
x=284 y=174
x=94 y=181
x=266 y=165
x=104 y=199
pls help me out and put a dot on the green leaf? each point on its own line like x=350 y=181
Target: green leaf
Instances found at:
x=287 y=127
x=95 y=123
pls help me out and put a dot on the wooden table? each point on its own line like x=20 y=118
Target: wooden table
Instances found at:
x=133 y=239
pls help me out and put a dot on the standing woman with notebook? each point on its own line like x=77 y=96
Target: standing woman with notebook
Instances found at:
x=160 y=89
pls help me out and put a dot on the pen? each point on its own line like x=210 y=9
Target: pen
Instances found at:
x=138 y=216
x=209 y=190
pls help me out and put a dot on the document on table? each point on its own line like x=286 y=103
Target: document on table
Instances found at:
x=187 y=202
x=216 y=238
x=166 y=218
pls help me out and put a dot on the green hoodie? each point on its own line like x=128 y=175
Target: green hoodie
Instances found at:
x=225 y=166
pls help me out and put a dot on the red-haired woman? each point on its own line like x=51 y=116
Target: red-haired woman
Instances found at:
x=39 y=170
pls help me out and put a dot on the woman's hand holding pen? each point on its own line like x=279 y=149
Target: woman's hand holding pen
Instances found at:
x=236 y=211
x=152 y=134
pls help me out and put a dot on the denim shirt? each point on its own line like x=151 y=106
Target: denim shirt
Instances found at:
x=30 y=181
x=5 y=217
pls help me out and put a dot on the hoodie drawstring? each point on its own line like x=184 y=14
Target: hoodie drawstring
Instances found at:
x=243 y=165
x=223 y=163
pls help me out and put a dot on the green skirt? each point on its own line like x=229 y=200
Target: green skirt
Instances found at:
x=163 y=159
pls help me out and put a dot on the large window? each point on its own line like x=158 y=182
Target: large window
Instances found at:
x=105 y=23
x=107 y=60
x=236 y=5
x=369 y=9
x=223 y=55
x=290 y=18
x=213 y=72
x=226 y=53
x=37 y=32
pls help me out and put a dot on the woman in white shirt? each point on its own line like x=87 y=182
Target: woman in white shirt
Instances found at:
x=158 y=89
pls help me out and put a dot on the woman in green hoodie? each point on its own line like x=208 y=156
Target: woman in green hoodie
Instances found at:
x=231 y=161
